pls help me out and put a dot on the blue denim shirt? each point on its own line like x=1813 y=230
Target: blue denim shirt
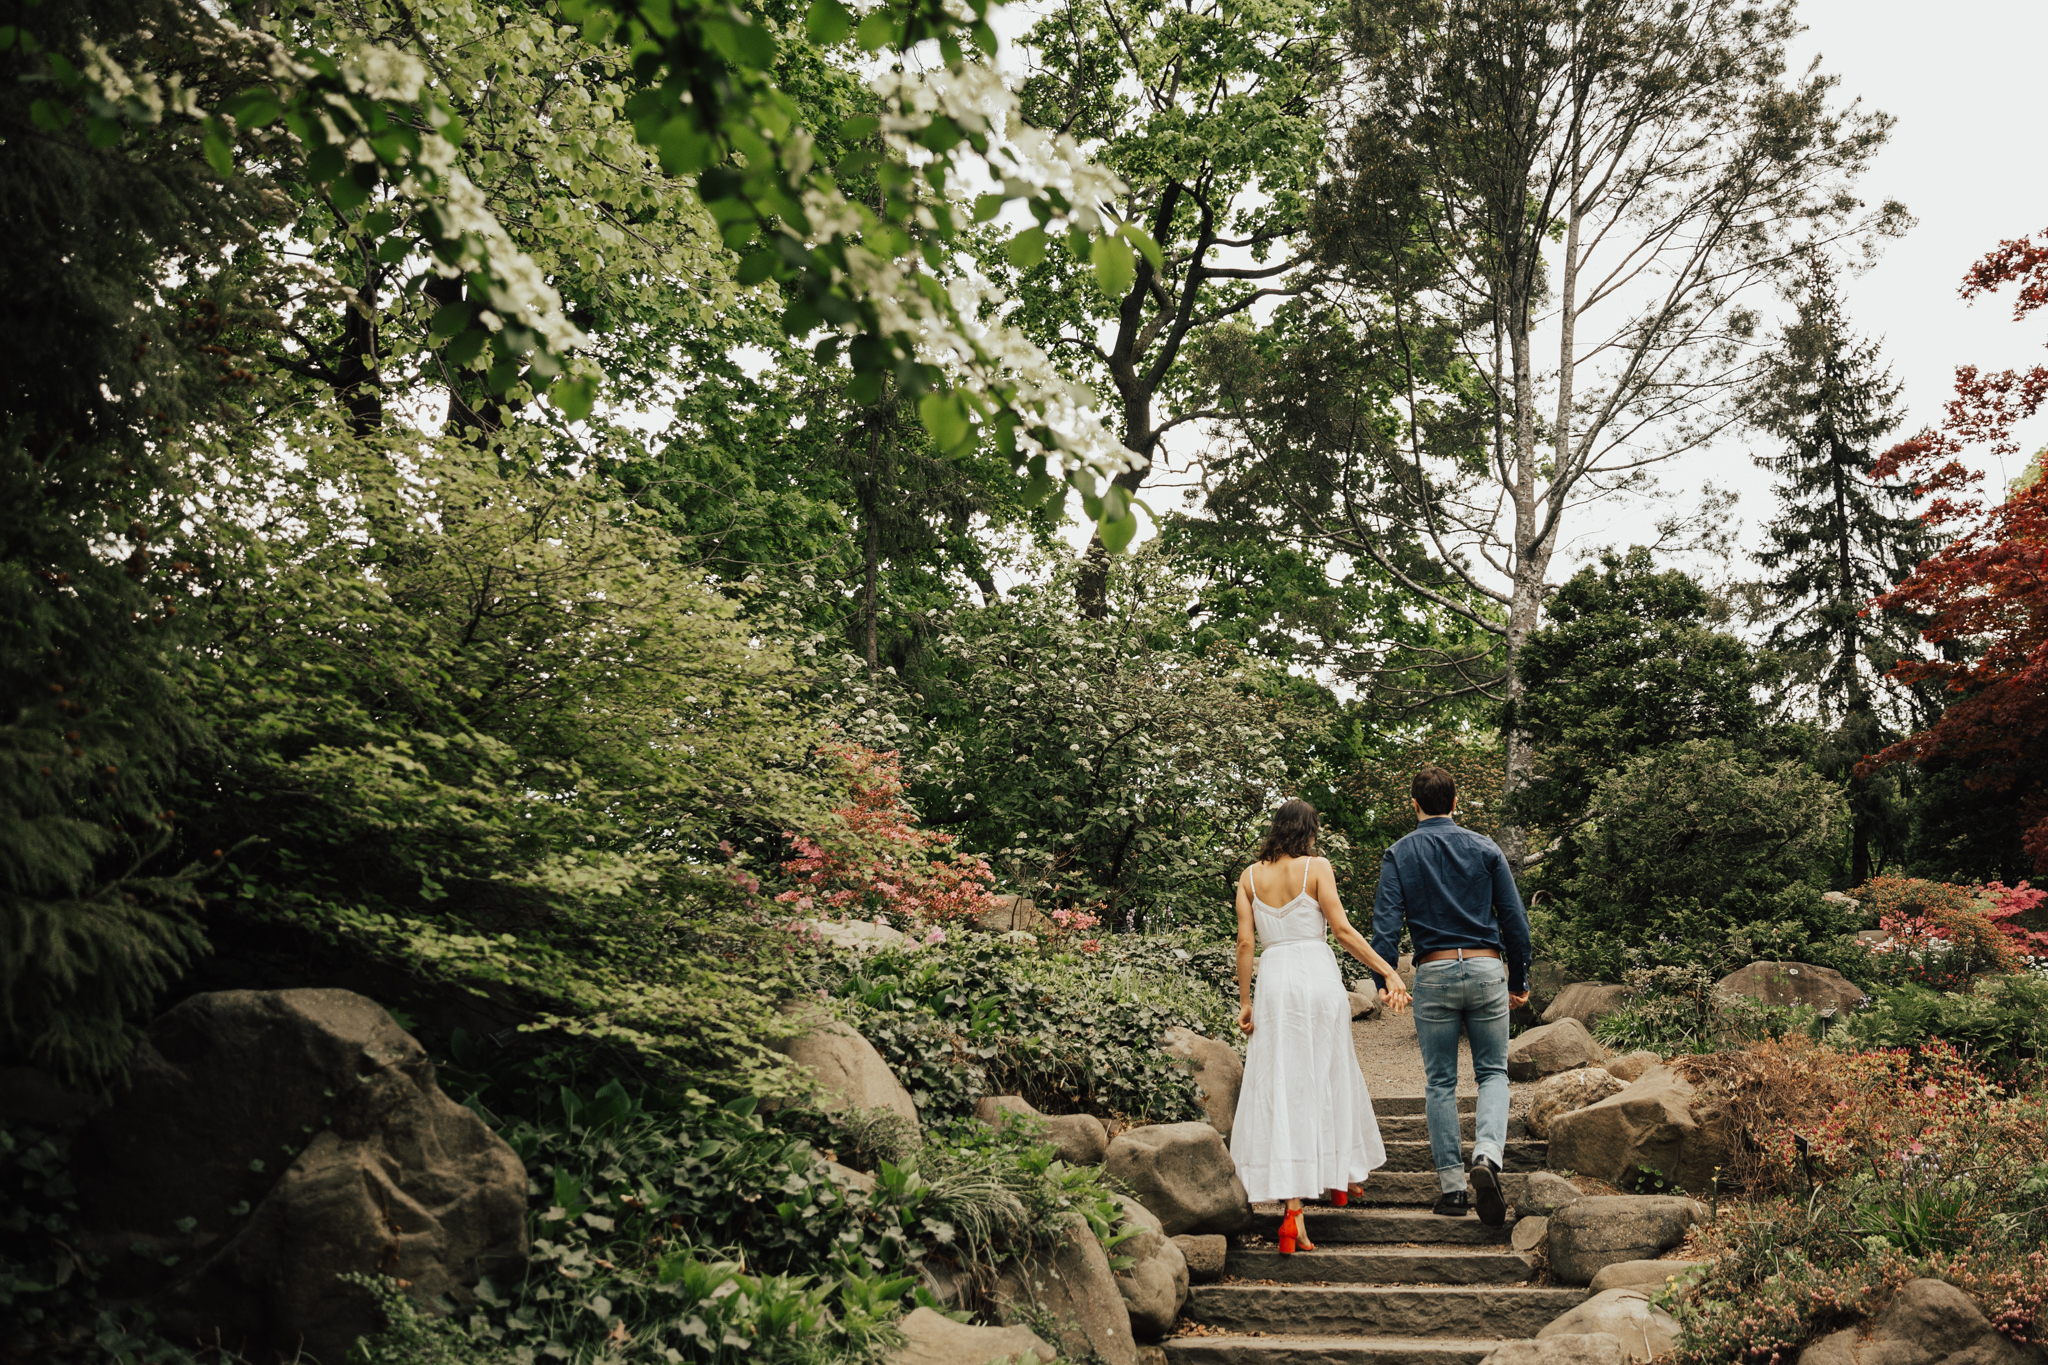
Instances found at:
x=1454 y=889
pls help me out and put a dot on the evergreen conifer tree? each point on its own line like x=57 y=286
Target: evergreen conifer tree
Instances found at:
x=1840 y=537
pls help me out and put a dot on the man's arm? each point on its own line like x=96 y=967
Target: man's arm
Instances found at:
x=1389 y=911
x=1514 y=926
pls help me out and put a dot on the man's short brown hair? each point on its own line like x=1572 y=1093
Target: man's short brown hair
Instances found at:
x=1435 y=790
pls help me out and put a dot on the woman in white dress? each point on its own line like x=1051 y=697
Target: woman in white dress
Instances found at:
x=1304 y=1120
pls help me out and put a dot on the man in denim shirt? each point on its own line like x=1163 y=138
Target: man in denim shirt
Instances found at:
x=1471 y=935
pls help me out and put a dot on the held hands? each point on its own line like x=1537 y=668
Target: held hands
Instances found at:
x=1394 y=995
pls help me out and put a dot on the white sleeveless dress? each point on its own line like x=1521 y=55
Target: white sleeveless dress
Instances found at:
x=1304 y=1120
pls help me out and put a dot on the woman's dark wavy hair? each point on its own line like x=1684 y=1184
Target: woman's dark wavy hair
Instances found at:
x=1293 y=833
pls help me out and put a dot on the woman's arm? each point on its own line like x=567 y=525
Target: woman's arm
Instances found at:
x=1349 y=938
x=1245 y=942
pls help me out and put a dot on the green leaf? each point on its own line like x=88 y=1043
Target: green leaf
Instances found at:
x=945 y=417
x=1027 y=248
x=1142 y=240
x=856 y=129
x=987 y=206
x=254 y=108
x=828 y=22
x=503 y=375
x=682 y=146
x=876 y=32
x=51 y=118
x=219 y=154
x=1116 y=267
x=468 y=346
x=450 y=319
x=759 y=266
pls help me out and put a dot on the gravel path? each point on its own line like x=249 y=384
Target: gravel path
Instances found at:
x=1391 y=1059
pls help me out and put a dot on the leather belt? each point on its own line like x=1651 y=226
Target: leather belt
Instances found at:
x=1446 y=954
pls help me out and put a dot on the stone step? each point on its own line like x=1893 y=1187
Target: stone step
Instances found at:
x=1415 y=1127
x=1401 y=1106
x=1405 y=1189
x=1352 y=1264
x=1356 y=1226
x=1410 y=1155
x=1474 y=1312
x=1229 y=1350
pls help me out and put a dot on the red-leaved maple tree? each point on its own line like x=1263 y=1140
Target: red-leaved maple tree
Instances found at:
x=1989 y=589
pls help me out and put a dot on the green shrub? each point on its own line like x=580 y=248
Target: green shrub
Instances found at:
x=1071 y=1032
x=2001 y=1026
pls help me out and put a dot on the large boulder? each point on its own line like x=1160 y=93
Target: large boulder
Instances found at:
x=857 y=936
x=1565 y=1093
x=1544 y=1193
x=1204 y=1254
x=1365 y=1004
x=1592 y=1348
x=849 y=1073
x=1644 y=1330
x=1546 y=983
x=1585 y=1001
x=1156 y=1285
x=1928 y=1322
x=1218 y=1073
x=267 y=1142
x=931 y=1338
x=1082 y=1139
x=1629 y=1067
x=1011 y=914
x=1184 y=1174
x=1551 y=1048
x=1070 y=1284
x=1651 y=1275
x=1588 y=1235
x=1795 y=983
x=1650 y=1127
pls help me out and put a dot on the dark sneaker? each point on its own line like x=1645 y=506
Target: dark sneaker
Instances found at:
x=1453 y=1204
x=1485 y=1178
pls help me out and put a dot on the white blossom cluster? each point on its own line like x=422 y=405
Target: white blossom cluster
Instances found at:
x=960 y=328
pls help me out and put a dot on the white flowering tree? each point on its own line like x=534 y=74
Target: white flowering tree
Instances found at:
x=876 y=285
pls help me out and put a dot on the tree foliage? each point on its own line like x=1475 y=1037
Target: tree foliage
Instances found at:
x=1987 y=590
x=1839 y=540
x=1624 y=167
x=1100 y=759
x=1698 y=842
x=1629 y=662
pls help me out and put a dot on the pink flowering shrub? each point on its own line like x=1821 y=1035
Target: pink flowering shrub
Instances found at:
x=1065 y=924
x=1940 y=933
x=873 y=862
x=2008 y=905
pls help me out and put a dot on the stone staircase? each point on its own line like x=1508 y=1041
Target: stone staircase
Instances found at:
x=1389 y=1284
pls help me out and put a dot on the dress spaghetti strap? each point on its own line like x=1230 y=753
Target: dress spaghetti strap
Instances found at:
x=1304 y=879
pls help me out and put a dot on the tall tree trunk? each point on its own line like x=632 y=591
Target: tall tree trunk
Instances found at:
x=356 y=381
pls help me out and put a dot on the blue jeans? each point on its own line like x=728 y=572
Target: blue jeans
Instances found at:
x=1469 y=997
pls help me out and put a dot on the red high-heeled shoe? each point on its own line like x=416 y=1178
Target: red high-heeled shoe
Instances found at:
x=1292 y=1236
x=1339 y=1198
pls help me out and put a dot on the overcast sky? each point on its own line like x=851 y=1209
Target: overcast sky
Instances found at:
x=1963 y=81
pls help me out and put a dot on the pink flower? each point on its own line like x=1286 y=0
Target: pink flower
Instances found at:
x=935 y=937
x=1091 y=945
